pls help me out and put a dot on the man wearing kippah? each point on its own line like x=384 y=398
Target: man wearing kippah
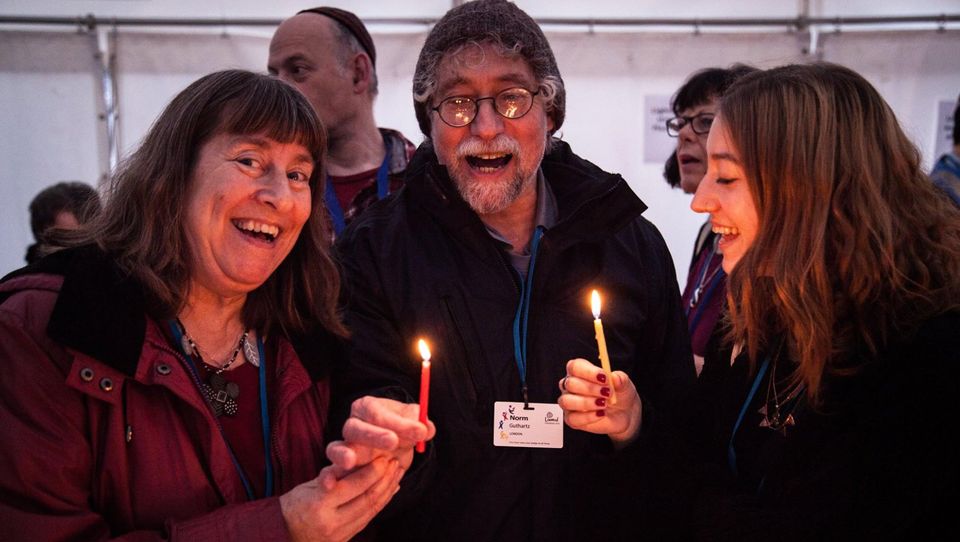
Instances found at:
x=329 y=56
x=490 y=253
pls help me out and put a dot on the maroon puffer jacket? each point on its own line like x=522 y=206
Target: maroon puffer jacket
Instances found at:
x=95 y=446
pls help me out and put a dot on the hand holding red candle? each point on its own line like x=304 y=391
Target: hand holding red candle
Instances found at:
x=424 y=387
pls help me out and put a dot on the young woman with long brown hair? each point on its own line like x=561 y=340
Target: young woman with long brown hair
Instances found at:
x=835 y=416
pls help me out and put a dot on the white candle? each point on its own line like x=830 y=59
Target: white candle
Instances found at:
x=602 y=344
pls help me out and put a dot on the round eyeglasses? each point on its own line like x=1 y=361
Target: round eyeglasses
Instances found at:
x=459 y=111
x=700 y=123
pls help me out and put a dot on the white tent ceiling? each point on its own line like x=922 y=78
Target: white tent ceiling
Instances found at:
x=52 y=108
x=435 y=8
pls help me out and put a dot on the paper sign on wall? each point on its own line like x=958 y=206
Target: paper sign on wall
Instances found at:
x=657 y=145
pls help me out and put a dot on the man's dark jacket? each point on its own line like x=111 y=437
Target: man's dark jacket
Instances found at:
x=421 y=264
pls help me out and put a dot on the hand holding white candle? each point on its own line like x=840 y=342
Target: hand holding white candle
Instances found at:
x=602 y=344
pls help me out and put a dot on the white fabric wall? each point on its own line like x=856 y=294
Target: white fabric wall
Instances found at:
x=51 y=99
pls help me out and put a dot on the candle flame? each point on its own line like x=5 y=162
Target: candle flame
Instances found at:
x=424 y=350
x=595 y=304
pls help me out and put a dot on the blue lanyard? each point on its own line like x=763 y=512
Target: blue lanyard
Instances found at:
x=383 y=188
x=264 y=423
x=731 y=451
x=521 y=319
x=264 y=416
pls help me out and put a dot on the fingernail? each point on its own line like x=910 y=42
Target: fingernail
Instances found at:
x=601 y=413
x=605 y=392
x=601 y=401
x=602 y=378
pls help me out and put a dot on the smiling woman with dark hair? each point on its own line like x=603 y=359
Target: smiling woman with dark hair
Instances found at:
x=167 y=377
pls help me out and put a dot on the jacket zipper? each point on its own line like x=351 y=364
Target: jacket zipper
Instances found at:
x=459 y=328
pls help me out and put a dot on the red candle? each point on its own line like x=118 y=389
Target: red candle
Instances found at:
x=424 y=387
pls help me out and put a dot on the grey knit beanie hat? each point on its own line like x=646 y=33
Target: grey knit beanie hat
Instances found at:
x=483 y=21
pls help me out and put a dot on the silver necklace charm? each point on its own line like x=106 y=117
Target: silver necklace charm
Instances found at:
x=705 y=279
x=251 y=352
x=778 y=413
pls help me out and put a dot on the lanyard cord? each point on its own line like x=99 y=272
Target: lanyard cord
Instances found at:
x=695 y=296
x=264 y=417
x=265 y=421
x=704 y=300
x=383 y=188
x=521 y=319
x=731 y=450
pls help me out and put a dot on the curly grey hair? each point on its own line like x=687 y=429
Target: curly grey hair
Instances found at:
x=503 y=24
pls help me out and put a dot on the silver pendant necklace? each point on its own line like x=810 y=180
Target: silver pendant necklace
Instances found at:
x=704 y=278
x=251 y=352
x=778 y=414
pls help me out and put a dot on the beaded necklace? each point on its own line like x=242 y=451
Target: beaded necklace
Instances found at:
x=219 y=392
x=190 y=346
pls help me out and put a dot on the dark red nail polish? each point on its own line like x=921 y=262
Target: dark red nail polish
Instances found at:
x=601 y=413
x=605 y=392
x=602 y=378
x=601 y=401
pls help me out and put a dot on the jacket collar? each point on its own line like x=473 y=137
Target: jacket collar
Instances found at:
x=102 y=312
x=99 y=311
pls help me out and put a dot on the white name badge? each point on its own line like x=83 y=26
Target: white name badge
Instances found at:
x=540 y=426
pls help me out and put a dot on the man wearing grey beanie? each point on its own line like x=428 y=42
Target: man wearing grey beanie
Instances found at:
x=490 y=253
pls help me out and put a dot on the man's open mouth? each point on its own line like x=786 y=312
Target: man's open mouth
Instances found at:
x=489 y=162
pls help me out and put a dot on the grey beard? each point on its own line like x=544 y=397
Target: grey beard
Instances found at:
x=488 y=198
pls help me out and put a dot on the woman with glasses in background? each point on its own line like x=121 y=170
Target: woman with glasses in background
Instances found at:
x=695 y=106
